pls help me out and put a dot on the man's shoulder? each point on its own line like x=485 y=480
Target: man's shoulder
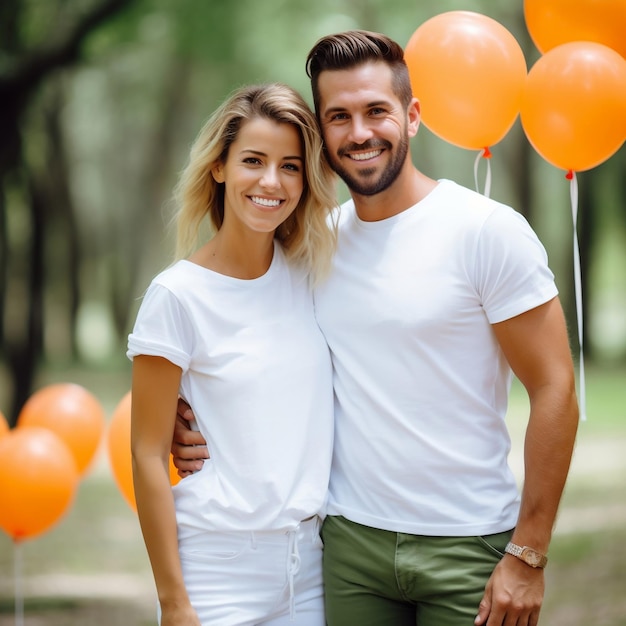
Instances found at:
x=453 y=189
x=468 y=202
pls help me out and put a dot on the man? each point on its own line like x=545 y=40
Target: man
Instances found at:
x=436 y=294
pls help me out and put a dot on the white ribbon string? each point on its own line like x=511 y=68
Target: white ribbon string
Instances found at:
x=17 y=572
x=486 y=154
x=582 y=401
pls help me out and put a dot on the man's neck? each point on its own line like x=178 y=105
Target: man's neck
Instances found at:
x=406 y=191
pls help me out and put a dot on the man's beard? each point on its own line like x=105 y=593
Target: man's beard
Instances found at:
x=362 y=185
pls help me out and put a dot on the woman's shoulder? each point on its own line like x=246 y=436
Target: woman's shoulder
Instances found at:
x=175 y=279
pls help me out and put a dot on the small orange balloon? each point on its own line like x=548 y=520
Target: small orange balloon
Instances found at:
x=118 y=447
x=4 y=426
x=73 y=413
x=574 y=106
x=468 y=72
x=38 y=481
x=551 y=23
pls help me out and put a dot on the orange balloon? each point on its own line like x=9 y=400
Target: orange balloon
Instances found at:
x=71 y=412
x=468 y=72
x=555 y=22
x=38 y=481
x=118 y=447
x=4 y=426
x=574 y=106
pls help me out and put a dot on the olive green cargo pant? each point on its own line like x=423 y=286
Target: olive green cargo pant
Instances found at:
x=379 y=578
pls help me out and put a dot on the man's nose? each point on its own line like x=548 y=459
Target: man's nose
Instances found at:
x=360 y=131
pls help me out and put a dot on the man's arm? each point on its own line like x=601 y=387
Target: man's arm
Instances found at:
x=189 y=449
x=536 y=346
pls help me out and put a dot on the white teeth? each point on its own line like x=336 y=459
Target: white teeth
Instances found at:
x=365 y=155
x=265 y=201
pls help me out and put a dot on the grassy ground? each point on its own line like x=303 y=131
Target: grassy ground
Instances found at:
x=91 y=568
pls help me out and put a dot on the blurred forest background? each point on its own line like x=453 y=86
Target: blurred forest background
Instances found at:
x=99 y=103
x=100 y=100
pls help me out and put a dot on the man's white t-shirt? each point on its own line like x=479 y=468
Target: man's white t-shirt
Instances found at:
x=257 y=372
x=421 y=385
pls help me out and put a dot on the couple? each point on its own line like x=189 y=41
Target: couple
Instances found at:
x=434 y=296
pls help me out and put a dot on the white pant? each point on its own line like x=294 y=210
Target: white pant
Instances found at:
x=270 y=578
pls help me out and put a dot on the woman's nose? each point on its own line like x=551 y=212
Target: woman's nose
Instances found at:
x=270 y=178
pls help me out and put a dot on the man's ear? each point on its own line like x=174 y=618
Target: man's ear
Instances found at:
x=414 y=117
x=218 y=173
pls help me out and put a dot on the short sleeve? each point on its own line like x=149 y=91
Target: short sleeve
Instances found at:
x=162 y=328
x=511 y=273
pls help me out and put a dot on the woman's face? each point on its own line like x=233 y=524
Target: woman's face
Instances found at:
x=263 y=175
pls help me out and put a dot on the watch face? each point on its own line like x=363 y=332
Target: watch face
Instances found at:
x=532 y=558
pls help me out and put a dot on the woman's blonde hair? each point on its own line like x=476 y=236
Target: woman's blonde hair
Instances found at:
x=308 y=235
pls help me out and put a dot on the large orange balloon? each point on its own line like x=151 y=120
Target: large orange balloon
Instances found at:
x=468 y=72
x=555 y=22
x=574 y=105
x=118 y=446
x=71 y=412
x=38 y=481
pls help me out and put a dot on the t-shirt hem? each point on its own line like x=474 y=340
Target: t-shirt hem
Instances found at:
x=138 y=347
x=523 y=306
x=431 y=530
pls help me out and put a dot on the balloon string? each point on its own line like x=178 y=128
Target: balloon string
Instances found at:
x=19 y=596
x=578 y=289
x=487 y=155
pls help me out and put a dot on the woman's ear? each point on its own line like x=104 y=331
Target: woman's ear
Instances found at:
x=218 y=173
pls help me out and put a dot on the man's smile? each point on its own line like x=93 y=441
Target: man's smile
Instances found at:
x=364 y=156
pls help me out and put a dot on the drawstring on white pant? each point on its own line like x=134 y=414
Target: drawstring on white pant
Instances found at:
x=293 y=567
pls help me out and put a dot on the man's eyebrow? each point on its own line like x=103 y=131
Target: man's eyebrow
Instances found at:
x=368 y=105
x=377 y=103
x=331 y=110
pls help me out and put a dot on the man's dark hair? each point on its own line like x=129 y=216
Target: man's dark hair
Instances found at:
x=352 y=48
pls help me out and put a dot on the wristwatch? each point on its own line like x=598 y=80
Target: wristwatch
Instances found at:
x=528 y=555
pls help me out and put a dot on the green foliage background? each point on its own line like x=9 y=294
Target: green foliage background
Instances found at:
x=89 y=151
x=88 y=161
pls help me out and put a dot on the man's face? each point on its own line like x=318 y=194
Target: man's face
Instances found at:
x=364 y=125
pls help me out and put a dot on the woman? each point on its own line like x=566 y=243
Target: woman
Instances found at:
x=231 y=329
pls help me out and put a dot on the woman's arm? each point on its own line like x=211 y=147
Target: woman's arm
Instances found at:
x=154 y=397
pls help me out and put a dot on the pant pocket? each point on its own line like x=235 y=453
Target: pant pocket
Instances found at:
x=496 y=543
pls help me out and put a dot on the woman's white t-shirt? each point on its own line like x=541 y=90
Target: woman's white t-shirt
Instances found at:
x=257 y=372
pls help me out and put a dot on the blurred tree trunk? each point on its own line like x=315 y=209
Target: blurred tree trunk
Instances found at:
x=53 y=179
x=23 y=73
x=9 y=145
x=592 y=194
x=143 y=225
